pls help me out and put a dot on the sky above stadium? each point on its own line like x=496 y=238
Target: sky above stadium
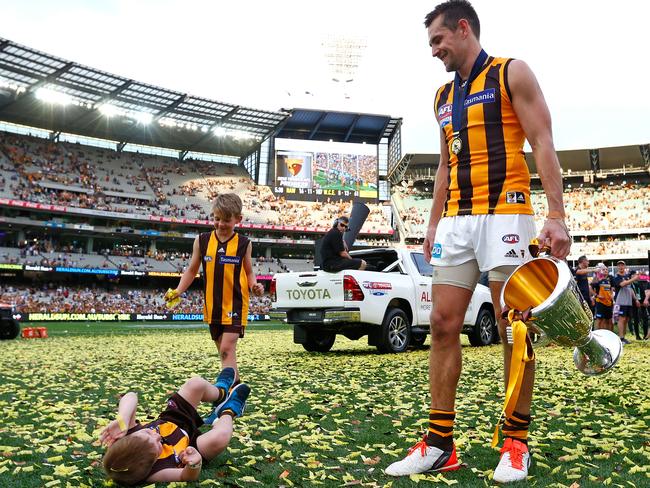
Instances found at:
x=589 y=56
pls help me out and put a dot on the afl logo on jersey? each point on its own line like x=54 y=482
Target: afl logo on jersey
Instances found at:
x=444 y=114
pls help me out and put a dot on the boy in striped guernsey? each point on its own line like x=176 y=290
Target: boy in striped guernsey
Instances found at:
x=225 y=258
x=171 y=448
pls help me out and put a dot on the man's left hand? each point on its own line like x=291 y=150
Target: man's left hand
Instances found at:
x=555 y=235
x=258 y=289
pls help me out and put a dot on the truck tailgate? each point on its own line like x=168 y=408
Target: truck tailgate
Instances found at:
x=313 y=289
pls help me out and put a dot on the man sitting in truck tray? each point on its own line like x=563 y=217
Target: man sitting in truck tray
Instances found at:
x=334 y=251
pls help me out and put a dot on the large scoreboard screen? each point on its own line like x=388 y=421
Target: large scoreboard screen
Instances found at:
x=307 y=170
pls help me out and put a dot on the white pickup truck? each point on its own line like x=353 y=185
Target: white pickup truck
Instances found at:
x=390 y=306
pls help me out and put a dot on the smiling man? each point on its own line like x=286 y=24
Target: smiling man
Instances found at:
x=481 y=219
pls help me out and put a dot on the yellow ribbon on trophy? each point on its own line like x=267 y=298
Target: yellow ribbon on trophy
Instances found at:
x=518 y=359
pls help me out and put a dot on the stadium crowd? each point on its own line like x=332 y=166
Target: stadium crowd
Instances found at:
x=605 y=207
x=56 y=298
x=71 y=175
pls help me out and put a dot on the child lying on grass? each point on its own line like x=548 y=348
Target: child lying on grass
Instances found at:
x=172 y=448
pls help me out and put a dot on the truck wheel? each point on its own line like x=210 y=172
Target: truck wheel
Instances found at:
x=395 y=331
x=319 y=341
x=9 y=329
x=417 y=340
x=484 y=332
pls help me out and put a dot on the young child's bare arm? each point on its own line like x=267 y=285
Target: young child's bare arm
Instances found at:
x=192 y=460
x=124 y=421
x=189 y=274
x=255 y=287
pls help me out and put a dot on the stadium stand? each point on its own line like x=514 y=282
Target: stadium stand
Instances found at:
x=57 y=298
x=80 y=176
x=604 y=208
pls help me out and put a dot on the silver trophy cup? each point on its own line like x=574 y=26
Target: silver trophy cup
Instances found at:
x=557 y=312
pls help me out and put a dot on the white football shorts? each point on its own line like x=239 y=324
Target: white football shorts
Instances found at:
x=490 y=241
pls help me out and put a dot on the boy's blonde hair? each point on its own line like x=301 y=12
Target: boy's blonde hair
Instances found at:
x=129 y=460
x=227 y=205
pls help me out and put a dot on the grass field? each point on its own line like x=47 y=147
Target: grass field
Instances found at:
x=334 y=419
x=321 y=180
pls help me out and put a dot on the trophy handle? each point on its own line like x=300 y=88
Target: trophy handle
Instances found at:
x=538 y=337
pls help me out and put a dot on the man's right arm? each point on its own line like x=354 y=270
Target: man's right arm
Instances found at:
x=630 y=280
x=439 y=196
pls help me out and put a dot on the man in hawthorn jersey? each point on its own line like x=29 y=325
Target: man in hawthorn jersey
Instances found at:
x=481 y=219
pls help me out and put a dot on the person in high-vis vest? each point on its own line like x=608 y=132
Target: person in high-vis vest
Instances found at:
x=481 y=219
x=228 y=276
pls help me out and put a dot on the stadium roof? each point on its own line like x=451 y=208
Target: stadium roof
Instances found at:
x=80 y=98
x=577 y=160
x=324 y=125
x=608 y=158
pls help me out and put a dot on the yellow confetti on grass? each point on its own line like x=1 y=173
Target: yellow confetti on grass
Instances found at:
x=248 y=479
x=326 y=418
x=63 y=470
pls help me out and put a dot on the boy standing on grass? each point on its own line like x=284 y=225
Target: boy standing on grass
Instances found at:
x=228 y=278
x=172 y=448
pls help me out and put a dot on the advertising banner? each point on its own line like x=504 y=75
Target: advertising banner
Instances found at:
x=122 y=317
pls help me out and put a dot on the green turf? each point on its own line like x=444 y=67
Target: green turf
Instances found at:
x=55 y=329
x=332 y=419
x=321 y=180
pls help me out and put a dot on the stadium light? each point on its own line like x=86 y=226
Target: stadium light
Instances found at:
x=143 y=118
x=167 y=122
x=240 y=135
x=53 y=97
x=5 y=83
x=219 y=131
x=109 y=110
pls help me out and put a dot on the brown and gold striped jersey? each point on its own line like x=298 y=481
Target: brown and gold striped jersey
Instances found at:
x=225 y=280
x=174 y=441
x=489 y=175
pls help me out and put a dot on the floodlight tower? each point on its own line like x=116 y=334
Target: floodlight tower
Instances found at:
x=344 y=55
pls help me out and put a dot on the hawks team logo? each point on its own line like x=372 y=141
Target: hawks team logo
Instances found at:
x=444 y=114
x=515 y=197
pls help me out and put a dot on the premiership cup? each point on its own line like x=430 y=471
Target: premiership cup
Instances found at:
x=544 y=289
